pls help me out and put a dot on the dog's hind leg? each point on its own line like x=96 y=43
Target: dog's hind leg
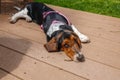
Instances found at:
x=20 y=14
x=82 y=37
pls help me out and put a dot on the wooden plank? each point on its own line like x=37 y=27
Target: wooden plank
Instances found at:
x=30 y=33
x=92 y=53
x=6 y=76
x=31 y=69
x=93 y=29
x=89 y=69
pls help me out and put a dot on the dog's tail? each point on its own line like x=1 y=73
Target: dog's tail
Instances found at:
x=17 y=8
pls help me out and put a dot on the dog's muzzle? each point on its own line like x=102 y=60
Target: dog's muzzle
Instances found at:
x=79 y=57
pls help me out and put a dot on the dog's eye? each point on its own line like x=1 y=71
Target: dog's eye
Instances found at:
x=66 y=46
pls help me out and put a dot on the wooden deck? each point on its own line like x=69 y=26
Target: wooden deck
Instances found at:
x=23 y=57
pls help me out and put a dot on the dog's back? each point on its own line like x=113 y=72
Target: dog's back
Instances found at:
x=36 y=10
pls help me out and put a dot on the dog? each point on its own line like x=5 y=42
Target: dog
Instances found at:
x=61 y=34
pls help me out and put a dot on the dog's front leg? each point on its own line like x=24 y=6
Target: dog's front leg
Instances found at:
x=20 y=14
x=82 y=37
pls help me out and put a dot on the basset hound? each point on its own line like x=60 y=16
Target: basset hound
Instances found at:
x=60 y=33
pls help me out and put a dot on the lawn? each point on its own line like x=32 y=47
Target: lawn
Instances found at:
x=104 y=7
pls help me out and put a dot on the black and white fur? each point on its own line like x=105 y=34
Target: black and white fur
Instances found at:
x=34 y=12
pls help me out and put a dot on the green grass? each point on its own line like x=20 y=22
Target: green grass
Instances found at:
x=104 y=7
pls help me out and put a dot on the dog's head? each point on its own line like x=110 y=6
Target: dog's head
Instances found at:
x=68 y=42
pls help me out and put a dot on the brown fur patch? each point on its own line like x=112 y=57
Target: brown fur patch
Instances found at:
x=71 y=45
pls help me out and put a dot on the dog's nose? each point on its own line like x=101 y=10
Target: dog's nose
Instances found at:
x=81 y=58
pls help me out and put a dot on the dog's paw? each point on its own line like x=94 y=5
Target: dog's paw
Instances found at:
x=84 y=39
x=28 y=19
x=12 y=21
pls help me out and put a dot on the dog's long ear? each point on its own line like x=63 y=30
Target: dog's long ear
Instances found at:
x=52 y=45
x=78 y=40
